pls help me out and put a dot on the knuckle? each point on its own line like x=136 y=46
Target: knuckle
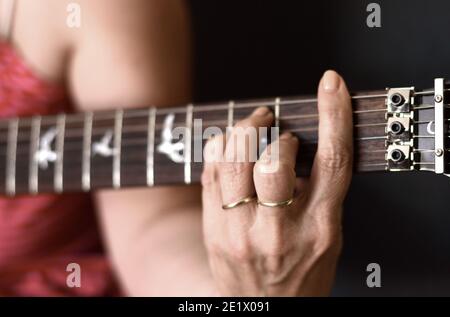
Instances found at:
x=263 y=169
x=335 y=158
x=326 y=240
x=235 y=169
x=335 y=108
x=268 y=172
x=333 y=112
x=276 y=248
x=235 y=250
x=328 y=245
x=240 y=251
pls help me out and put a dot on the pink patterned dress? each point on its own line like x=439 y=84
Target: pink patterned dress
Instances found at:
x=40 y=236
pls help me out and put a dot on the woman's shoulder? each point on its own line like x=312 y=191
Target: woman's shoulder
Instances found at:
x=49 y=32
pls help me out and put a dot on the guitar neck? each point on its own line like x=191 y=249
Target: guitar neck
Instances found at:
x=140 y=147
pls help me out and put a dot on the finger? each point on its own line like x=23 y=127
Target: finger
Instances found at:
x=332 y=168
x=236 y=172
x=213 y=155
x=274 y=173
x=211 y=194
x=275 y=181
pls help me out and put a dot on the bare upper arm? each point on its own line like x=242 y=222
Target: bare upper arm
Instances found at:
x=133 y=53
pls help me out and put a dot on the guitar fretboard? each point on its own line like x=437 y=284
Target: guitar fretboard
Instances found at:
x=139 y=147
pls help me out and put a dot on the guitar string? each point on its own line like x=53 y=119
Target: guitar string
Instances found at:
x=196 y=173
x=294 y=102
x=70 y=133
x=76 y=132
x=25 y=122
x=126 y=140
x=71 y=146
x=218 y=107
x=105 y=115
x=159 y=127
x=142 y=141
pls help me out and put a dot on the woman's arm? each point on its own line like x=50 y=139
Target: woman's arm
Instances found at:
x=132 y=53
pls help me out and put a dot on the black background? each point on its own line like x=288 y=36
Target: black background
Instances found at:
x=262 y=48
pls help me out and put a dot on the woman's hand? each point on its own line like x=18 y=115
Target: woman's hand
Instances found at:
x=260 y=250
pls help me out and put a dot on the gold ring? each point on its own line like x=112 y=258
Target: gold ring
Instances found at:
x=239 y=203
x=284 y=203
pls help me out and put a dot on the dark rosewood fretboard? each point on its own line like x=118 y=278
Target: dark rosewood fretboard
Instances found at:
x=116 y=149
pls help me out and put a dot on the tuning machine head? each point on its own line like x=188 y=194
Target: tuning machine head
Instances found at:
x=399 y=157
x=399 y=100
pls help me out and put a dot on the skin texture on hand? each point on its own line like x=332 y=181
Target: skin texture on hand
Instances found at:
x=256 y=250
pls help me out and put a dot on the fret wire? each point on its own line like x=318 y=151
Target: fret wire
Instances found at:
x=231 y=114
x=188 y=145
x=277 y=112
x=151 y=147
x=59 y=148
x=118 y=125
x=33 y=178
x=87 y=144
x=13 y=131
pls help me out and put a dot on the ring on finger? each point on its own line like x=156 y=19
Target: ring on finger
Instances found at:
x=240 y=202
x=276 y=204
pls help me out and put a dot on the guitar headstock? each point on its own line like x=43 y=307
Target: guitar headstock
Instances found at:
x=417 y=129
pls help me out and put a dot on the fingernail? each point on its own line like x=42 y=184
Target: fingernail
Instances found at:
x=261 y=111
x=331 y=81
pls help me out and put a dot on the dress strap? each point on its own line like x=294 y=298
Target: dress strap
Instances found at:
x=7 y=13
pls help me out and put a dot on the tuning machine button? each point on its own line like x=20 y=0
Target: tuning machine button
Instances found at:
x=399 y=158
x=399 y=129
x=399 y=100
